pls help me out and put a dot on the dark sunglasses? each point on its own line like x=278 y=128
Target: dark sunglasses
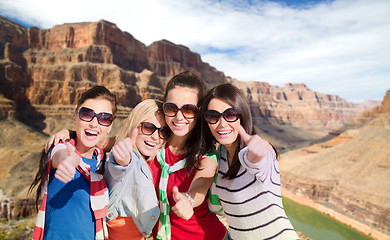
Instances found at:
x=188 y=110
x=148 y=128
x=103 y=118
x=230 y=115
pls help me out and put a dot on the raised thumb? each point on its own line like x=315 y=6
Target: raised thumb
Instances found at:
x=176 y=194
x=133 y=136
x=69 y=149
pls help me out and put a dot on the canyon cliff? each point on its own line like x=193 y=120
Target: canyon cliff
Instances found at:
x=349 y=173
x=42 y=69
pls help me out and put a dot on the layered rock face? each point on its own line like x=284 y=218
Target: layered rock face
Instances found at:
x=297 y=105
x=54 y=66
x=69 y=58
x=350 y=172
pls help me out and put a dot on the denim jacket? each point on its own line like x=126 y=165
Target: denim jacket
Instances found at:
x=132 y=193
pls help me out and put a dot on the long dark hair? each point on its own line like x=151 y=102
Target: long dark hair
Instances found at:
x=96 y=92
x=236 y=98
x=191 y=80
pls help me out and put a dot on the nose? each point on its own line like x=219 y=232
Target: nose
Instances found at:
x=94 y=122
x=179 y=115
x=155 y=136
x=222 y=122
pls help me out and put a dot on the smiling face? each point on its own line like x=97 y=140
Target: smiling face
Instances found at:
x=225 y=133
x=148 y=145
x=180 y=125
x=90 y=133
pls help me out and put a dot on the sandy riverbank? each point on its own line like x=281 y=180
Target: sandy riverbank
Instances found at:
x=371 y=231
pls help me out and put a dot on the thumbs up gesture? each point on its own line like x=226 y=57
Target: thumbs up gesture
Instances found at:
x=183 y=207
x=258 y=148
x=122 y=149
x=67 y=167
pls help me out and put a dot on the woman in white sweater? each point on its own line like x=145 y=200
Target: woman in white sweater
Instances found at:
x=248 y=180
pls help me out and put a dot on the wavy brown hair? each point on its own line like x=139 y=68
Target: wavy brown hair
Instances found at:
x=96 y=92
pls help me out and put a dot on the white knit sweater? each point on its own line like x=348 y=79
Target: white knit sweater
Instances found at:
x=252 y=201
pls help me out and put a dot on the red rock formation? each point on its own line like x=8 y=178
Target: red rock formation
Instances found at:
x=69 y=58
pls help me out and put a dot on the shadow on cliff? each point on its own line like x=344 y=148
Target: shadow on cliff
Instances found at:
x=14 y=82
x=29 y=115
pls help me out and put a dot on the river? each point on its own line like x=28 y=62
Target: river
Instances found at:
x=319 y=226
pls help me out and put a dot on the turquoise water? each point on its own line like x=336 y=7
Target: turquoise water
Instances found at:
x=318 y=226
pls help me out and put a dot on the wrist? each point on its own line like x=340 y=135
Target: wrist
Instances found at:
x=190 y=199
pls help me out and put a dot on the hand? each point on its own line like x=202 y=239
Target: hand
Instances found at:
x=122 y=150
x=67 y=168
x=60 y=136
x=258 y=148
x=183 y=207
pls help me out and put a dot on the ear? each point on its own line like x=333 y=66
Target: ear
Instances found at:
x=74 y=118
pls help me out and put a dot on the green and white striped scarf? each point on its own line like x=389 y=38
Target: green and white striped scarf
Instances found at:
x=164 y=226
x=213 y=202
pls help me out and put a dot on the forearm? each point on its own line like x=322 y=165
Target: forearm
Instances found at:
x=202 y=181
x=198 y=189
x=115 y=170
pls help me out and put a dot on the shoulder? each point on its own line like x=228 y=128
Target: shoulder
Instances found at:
x=213 y=154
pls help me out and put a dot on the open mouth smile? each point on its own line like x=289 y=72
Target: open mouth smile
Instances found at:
x=90 y=133
x=150 y=144
x=224 y=133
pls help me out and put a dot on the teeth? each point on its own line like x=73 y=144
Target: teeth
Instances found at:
x=90 y=132
x=179 y=124
x=224 y=132
x=151 y=144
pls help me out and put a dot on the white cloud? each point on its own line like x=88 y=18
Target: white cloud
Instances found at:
x=337 y=47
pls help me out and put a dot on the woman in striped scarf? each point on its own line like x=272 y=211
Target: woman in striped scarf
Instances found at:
x=74 y=193
x=181 y=179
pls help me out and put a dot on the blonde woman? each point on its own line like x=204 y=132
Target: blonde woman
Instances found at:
x=133 y=208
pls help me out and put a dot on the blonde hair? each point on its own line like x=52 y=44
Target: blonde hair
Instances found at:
x=142 y=111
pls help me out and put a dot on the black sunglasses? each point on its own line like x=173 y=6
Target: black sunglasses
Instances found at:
x=188 y=110
x=103 y=118
x=230 y=115
x=148 y=128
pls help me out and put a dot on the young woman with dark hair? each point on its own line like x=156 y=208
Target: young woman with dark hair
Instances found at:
x=182 y=179
x=73 y=190
x=248 y=180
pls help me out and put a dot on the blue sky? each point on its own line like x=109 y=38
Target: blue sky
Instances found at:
x=337 y=47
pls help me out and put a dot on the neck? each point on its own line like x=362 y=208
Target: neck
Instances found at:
x=177 y=144
x=231 y=148
x=85 y=151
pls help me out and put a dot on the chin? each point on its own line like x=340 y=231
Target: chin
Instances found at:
x=146 y=152
x=181 y=133
x=86 y=141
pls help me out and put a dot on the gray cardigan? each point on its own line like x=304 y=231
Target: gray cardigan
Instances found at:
x=132 y=192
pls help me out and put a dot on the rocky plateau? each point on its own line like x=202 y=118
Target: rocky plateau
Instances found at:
x=350 y=173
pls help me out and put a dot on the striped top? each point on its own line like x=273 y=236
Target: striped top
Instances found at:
x=252 y=201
